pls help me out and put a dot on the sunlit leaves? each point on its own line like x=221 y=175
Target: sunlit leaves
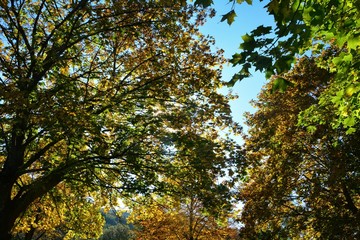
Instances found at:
x=229 y=17
x=174 y=218
x=301 y=178
x=63 y=213
x=118 y=95
x=280 y=84
x=303 y=28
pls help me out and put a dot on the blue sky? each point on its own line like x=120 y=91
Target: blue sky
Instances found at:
x=228 y=38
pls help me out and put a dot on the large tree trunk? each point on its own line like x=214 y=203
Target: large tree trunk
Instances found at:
x=4 y=233
x=7 y=220
x=11 y=208
x=8 y=177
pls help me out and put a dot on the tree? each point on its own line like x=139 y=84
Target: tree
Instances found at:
x=63 y=213
x=302 y=182
x=116 y=227
x=100 y=96
x=175 y=218
x=199 y=208
x=117 y=232
x=306 y=27
x=310 y=25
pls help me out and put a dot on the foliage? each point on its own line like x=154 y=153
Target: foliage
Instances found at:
x=307 y=27
x=114 y=217
x=303 y=182
x=192 y=212
x=175 y=218
x=116 y=227
x=63 y=213
x=104 y=98
x=117 y=232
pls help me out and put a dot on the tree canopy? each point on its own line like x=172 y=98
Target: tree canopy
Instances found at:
x=101 y=99
x=104 y=98
x=306 y=27
x=302 y=182
x=194 y=211
x=301 y=149
x=116 y=226
x=178 y=218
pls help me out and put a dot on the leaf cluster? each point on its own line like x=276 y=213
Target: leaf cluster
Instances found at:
x=308 y=27
x=302 y=181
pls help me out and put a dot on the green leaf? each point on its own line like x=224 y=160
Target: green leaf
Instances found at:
x=283 y=64
x=341 y=38
x=237 y=77
x=263 y=63
x=353 y=42
x=338 y=98
x=311 y=129
x=280 y=84
x=349 y=121
x=273 y=7
x=229 y=17
x=351 y=130
x=261 y=30
x=328 y=35
x=348 y=58
x=337 y=60
x=203 y=3
x=247 y=38
x=349 y=91
x=269 y=73
x=236 y=59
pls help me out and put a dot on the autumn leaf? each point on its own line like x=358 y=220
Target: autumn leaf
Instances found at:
x=229 y=17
